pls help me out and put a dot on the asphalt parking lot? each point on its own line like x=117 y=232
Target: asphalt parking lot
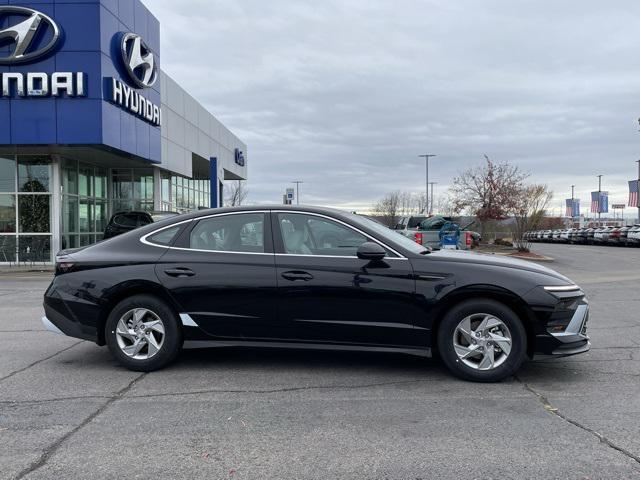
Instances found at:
x=68 y=411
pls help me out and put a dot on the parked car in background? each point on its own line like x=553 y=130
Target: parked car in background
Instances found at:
x=579 y=236
x=615 y=236
x=633 y=236
x=122 y=222
x=426 y=231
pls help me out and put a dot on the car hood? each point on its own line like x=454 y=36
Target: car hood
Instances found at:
x=496 y=261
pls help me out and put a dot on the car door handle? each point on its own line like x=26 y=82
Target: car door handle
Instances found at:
x=180 y=272
x=297 y=275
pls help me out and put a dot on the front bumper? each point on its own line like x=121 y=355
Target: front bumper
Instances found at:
x=573 y=339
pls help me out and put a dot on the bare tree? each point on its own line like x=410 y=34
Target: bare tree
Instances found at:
x=236 y=194
x=388 y=208
x=489 y=192
x=419 y=202
x=528 y=211
x=444 y=205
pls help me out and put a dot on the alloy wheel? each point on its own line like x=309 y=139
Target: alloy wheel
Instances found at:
x=140 y=333
x=482 y=341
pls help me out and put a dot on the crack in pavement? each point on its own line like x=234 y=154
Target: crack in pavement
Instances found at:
x=53 y=448
x=201 y=392
x=40 y=361
x=555 y=411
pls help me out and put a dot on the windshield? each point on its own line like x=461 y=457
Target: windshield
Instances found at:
x=385 y=233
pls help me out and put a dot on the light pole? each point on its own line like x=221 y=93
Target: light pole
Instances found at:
x=431 y=203
x=297 y=182
x=427 y=157
x=599 y=198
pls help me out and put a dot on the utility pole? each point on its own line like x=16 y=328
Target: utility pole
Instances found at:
x=427 y=157
x=599 y=198
x=431 y=204
x=297 y=182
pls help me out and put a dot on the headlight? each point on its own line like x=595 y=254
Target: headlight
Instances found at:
x=562 y=288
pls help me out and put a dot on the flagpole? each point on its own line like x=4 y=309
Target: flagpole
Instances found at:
x=599 y=198
x=638 y=188
x=573 y=206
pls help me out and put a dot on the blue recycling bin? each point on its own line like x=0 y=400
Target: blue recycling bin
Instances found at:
x=449 y=236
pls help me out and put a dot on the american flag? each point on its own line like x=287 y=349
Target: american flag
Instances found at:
x=633 y=193
x=573 y=207
x=595 y=202
x=569 y=210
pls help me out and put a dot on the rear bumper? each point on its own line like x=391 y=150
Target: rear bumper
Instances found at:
x=56 y=322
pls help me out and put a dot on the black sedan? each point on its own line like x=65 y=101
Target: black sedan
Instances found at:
x=274 y=277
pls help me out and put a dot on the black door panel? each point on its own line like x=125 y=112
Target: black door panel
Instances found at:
x=221 y=272
x=327 y=294
x=348 y=300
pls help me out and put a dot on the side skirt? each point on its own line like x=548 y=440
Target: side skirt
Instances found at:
x=190 y=344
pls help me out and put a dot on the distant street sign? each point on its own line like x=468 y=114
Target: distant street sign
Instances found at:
x=618 y=206
x=290 y=193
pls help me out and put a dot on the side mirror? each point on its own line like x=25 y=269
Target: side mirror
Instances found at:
x=371 y=251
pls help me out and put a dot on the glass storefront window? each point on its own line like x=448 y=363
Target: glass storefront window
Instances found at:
x=36 y=248
x=143 y=184
x=7 y=175
x=122 y=188
x=69 y=213
x=86 y=215
x=7 y=214
x=70 y=177
x=102 y=216
x=34 y=213
x=85 y=181
x=7 y=248
x=34 y=173
x=101 y=183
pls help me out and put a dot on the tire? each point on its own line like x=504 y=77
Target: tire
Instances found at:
x=148 y=309
x=475 y=310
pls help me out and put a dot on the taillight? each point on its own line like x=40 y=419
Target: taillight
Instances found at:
x=468 y=239
x=418 y=238
x=64 y=264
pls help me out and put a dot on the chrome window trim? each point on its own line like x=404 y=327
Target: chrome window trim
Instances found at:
x=366 y=235
x=144 y=240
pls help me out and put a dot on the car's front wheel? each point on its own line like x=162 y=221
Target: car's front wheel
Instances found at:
x=142 y=333
x=482 y=340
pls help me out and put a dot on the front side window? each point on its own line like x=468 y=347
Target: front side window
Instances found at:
x=230 y=233
x=311 y=235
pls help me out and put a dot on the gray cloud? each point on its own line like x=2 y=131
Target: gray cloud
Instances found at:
x=345 y=94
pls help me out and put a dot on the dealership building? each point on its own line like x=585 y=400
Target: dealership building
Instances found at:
x=91 y=126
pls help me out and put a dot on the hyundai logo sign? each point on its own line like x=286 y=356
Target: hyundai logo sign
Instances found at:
x=239 y=157
x=139 y=61
x=30 y=36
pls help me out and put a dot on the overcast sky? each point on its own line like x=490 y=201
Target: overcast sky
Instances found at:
x=346 y=94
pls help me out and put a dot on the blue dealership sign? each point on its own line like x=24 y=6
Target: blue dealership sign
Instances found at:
x=81 y=73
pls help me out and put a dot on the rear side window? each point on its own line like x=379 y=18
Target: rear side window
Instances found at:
x=415 y=221
x=126 y=220
x=164 y=237
x=230 y=233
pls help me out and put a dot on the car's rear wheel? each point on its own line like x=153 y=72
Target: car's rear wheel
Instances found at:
x=482 y=341
x=142 y=333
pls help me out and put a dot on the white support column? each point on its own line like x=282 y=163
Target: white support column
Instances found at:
x=157 y=189
x=56 y=206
